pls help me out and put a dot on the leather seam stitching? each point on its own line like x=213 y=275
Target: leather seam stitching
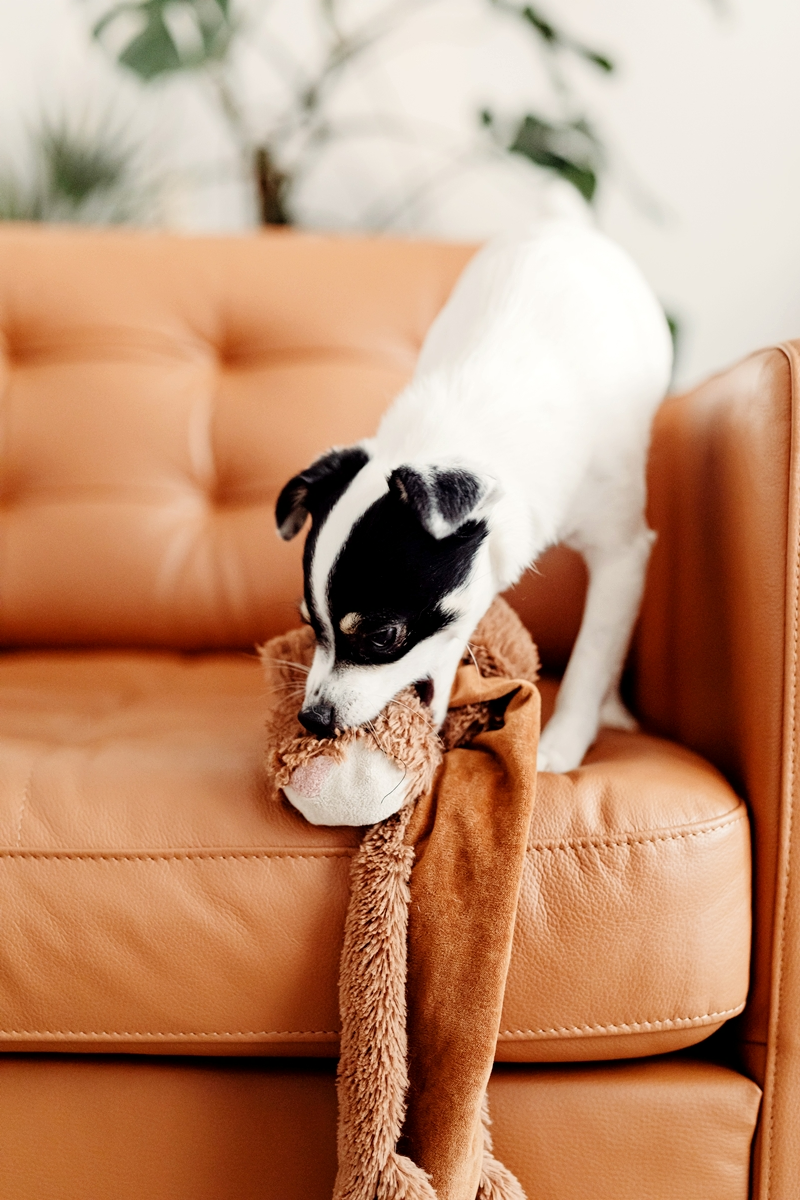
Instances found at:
x=590 y=843
x=657 y=1024
x=665 y=1023
x=194 y=1035
x=347 y=852
x=24 y=804
x=168 y=856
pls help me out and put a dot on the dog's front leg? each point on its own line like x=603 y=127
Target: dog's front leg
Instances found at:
x=616 y=580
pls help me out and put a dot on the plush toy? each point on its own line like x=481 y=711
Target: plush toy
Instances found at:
x=448 y=814
x=364 y=775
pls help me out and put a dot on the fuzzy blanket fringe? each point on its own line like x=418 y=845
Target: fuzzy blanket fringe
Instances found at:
x=372 y=1078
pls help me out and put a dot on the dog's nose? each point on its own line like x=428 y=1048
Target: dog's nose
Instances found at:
x=318 y=719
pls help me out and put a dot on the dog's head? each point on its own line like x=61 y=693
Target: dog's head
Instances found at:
x=392 y=587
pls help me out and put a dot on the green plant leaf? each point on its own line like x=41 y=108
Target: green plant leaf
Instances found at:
x=553 y=38
x=581 y=177
x=77 y=167
x=153 y=51
x=599 y=60
x=81 y=169
x=569 y=149
x=675 y=329
x=546 y=31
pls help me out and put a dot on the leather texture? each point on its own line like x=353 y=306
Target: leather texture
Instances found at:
x=716 y=668
x=710 y=651
x=665 y=1130
x=155 y=402
x=156 y=895
x=778 y=1164
x=72 y=1129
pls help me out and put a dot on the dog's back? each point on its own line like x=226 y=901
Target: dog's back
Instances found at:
x=559 y=295
x=544 y=368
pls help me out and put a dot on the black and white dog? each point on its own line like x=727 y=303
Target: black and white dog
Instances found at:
x=527 y=423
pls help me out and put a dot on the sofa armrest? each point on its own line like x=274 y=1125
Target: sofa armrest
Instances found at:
x=716 y=667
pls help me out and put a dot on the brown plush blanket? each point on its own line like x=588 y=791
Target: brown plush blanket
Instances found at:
x=430 y=923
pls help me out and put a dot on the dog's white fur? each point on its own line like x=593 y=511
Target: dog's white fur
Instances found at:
x=541 y=374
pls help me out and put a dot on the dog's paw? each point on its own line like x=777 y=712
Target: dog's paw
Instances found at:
x=614 y=715
x=554 y=760
x=563 y=744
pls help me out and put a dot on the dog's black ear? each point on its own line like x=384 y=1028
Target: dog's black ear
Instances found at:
x=315 y=490
x=442 y=498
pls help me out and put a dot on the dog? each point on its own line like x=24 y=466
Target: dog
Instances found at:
x=526 y=423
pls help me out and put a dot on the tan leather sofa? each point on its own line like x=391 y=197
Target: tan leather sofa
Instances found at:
x=170 y=928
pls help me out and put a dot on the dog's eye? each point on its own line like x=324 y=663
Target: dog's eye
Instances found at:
x=388 y=637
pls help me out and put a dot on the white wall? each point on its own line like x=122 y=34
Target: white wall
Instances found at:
x=704 y=112
x=709 y=113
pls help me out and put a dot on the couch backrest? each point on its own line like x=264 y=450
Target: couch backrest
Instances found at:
x=156 y=394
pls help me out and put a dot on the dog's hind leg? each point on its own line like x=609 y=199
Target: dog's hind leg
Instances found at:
x=591 y=681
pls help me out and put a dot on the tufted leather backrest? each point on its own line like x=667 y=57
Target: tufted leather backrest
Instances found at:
x=156 y=393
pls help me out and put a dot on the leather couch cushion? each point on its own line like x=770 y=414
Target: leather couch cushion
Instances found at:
x=661 y=1130
x=83 y=1129
x=155 y=896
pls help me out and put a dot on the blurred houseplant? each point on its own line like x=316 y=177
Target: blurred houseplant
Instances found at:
x=159 y=38
x=76 y=170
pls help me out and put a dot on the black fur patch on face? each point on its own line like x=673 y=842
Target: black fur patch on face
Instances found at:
x=313 y=493
x=394 y=575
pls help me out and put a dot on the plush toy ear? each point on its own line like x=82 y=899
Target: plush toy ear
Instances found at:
x=443 y=498
x=315 y=490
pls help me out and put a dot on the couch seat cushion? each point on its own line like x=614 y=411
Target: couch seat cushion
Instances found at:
x=156 y=896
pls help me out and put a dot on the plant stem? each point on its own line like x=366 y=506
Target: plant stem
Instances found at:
x=271 y=185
